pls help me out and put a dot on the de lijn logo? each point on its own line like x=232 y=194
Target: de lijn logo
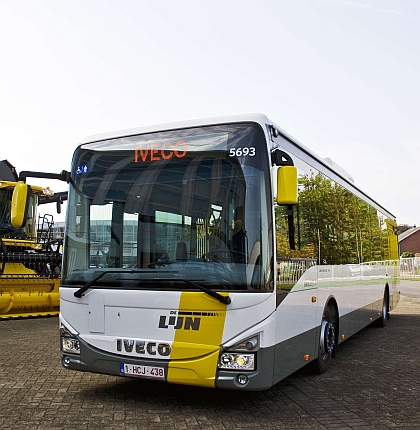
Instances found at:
x=184 y=320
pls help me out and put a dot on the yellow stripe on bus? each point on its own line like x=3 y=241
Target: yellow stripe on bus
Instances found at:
x=195 y=349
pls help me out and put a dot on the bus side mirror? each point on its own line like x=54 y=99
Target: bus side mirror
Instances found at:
x=58 y=204
x=20 y=202
x=391 y=229
x=287 y=185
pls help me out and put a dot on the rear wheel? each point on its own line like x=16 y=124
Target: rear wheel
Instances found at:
x=381 y=322
x=326 y=341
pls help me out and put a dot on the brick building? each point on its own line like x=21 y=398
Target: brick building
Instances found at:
x=409 y=241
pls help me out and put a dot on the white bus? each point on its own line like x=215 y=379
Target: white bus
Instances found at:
x=219 y=253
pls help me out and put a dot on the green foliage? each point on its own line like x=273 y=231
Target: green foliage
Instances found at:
x=407 y=254
x=332 y=224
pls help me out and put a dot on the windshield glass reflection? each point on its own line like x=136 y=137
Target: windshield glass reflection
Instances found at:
x=187 y=205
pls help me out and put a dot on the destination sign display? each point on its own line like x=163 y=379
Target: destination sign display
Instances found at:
x=161 y=151
x=154 y=150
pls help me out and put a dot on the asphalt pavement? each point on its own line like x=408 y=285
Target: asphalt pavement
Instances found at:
x=410 y=289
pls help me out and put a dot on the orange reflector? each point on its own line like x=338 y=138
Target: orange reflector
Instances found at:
x=342 y=337
x=313 y=299
x=379 y=314
x=370 y=319
x=306 y=357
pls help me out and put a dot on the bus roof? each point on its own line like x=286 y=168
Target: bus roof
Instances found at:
x=256 y=117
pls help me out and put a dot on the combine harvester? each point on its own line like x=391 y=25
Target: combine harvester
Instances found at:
x=30 y=259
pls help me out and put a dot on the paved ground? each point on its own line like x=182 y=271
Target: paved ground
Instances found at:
x=374 y=383
x=410 y=288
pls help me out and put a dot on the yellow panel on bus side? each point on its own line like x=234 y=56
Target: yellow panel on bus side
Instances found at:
x=195 y=349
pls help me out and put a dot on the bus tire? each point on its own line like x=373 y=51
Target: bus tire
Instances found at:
x=383 y=319
x=327 y=342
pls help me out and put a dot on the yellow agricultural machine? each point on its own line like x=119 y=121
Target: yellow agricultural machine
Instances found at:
x=30 y=258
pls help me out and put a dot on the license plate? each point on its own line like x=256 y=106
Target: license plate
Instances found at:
x=142 y=371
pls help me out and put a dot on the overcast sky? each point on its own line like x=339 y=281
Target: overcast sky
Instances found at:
x=341 y=76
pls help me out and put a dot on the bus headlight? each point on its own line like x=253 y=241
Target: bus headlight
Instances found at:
x=69 y=342
x=70 y=345
x=251 y=344
x=236 y=361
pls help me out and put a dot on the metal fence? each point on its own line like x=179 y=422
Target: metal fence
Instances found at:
x=289 y=270
x=410 y=267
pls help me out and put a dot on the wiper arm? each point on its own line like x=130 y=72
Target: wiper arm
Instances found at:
x=80 y=291
x=222 y=299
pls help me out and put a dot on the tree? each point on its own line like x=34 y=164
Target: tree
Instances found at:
x=332 y=225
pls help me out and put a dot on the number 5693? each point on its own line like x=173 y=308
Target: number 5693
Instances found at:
x=242 y=152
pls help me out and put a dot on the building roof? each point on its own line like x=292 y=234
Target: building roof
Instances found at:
x=407 y=233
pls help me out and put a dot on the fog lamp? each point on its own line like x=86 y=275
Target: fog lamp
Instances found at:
x=242 y=379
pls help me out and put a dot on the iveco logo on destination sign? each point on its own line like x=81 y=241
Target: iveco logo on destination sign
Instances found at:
x=144 y=348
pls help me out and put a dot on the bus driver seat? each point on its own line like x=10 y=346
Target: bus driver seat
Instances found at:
x=181 y=251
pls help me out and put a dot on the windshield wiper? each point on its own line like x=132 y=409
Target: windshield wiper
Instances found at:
x=80 y=291
x=222 y=299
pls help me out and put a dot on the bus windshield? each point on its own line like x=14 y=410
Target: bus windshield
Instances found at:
x=172 y=210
